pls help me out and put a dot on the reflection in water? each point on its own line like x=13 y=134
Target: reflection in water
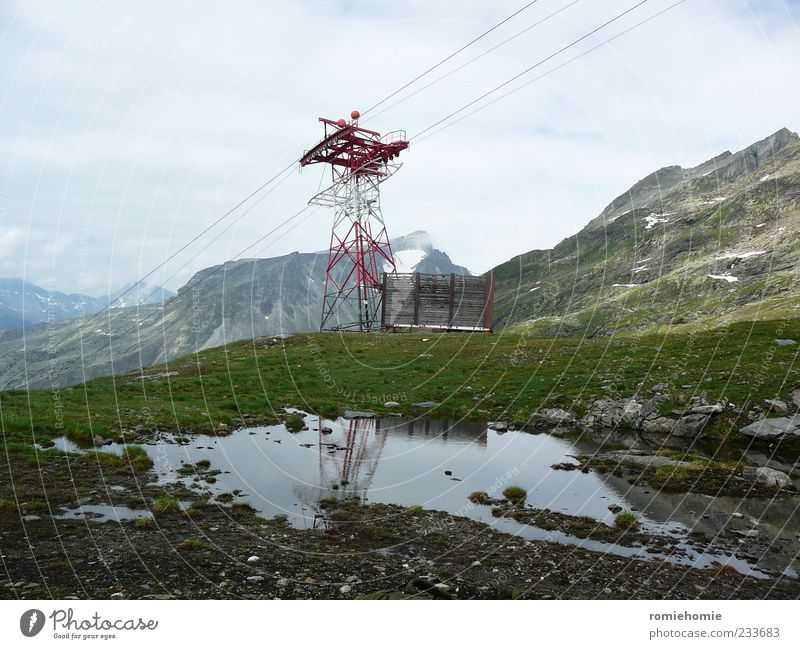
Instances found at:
x=438 y=463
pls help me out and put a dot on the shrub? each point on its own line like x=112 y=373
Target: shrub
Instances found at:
x=626 y=520
x=294 y=423
x=515 y=495
x=166 y=505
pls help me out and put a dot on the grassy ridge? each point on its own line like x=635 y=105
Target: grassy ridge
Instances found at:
x=507 y=375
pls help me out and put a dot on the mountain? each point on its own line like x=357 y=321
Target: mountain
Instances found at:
x=713 y=244
x=237 y=300
x=23 y=304
x=26 y=304
x=137 y=293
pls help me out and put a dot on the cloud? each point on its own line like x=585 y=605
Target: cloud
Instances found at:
x=125 y=128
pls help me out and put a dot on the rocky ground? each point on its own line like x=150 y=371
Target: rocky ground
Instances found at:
x=204 y=550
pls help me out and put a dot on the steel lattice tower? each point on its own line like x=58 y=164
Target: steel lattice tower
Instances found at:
x=360 y=250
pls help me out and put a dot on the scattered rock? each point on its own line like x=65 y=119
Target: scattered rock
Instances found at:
x=345 y=589
x=98 y=440
x=282 y=582
x=614 y=509
x=326 y=430
x=253 y=559
x=777 y=406
x=425 y=405
x=222 y=427
x=391 y=404
x=356 y=414
x=255 y=579
x=31 y=518
x=785 y=342
x=796 y=397
x=710 y=409
x=498 y=426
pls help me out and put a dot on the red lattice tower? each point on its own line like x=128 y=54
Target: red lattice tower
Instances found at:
x=360 y=251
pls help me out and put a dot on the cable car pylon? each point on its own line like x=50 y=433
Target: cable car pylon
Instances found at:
x=360 y=250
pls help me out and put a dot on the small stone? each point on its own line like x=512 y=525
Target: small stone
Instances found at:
x=391 y=404
x=283 y=582
x=98 y=440
x=607 y=590
x=345 y=589
x=424 y=405
x=737 y=515
x=31 y=518
x=253 y=559
x=222 y=427
x=255 y=579
x=777 y=406
x=785 y=342
x=476 y=564
x=351 y=579
x=117 y=595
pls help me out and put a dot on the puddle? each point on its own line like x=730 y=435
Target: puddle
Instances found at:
x=103 y=513
x=437 y=463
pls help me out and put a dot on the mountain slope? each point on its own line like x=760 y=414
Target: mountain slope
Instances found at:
x=238 y=300
x=713 y=244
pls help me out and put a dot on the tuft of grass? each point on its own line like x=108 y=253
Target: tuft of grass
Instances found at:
x=7 y=507
x=144 y=523
x=137 y=458
x=479 y=497
x=414 y=510
x=191 y=544
x=514 y=494
x=166 y=505
x=626 y=520
x=294 y=423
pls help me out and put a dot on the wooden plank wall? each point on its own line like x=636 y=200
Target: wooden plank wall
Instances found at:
x=440 y=301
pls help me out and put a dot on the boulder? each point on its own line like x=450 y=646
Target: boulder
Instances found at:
x=98 y=440
x=796 y=397
x=768 y=477
x=774 y=429
x=690 y=425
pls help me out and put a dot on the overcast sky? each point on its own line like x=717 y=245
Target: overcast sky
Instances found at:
x=127 y=127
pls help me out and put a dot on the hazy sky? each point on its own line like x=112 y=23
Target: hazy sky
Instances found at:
x=127 y=127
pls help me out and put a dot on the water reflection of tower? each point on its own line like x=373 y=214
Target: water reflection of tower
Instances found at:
x=349 y=455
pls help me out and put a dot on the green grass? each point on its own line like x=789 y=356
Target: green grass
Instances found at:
x=516 y=495
x=137 y=458
x=191 y=544
x=508 y=376
x=166 y=505
x=626 y=520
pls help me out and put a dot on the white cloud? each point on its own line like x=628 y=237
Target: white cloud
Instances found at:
x=143 y=122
